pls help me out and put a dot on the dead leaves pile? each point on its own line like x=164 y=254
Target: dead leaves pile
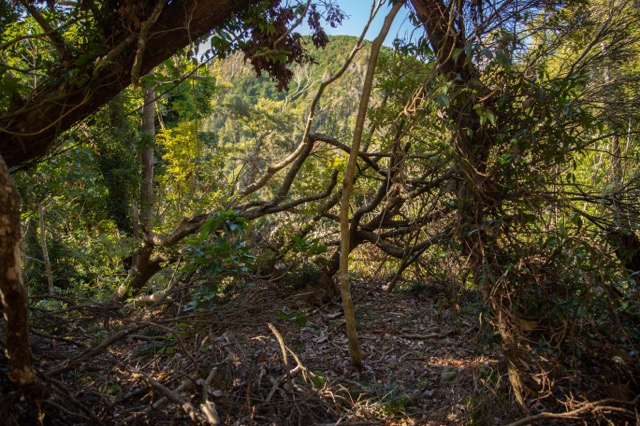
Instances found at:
x=242 y=363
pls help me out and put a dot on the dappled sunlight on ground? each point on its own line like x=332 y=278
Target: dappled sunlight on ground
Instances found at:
x=272 y=356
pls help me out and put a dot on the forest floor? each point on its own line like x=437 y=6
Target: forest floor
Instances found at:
x=427 y=360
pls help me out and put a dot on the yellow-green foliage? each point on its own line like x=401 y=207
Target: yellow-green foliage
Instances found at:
x=186 y=183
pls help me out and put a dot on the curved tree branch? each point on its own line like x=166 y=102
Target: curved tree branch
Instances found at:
x=29 y=128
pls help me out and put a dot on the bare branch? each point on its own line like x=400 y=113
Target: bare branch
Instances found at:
x=142 y=40
x=273 y=169
x=53 y=35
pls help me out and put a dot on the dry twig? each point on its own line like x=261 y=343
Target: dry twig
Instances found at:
x=174 y=397
x=588 y=407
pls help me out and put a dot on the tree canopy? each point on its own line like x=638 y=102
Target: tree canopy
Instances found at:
x=64 y=61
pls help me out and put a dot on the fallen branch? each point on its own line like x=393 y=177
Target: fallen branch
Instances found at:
x=172 y=396
x=91 y=352
x=290 y=373
x=73 y=400
x=164 y=400
x=208 y=407
x=209 y=410
x=276 y=333
x=281 y=381
x=586 y=408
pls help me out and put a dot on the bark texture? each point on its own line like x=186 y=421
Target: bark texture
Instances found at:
x=12 y=290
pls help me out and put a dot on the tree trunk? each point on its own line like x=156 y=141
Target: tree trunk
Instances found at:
x=136 y=235
x=477 y=193
x=616 y=154
x=45 y=252
x=146 y=155
x=143 y=269
x=345 y=234
x=12 y=290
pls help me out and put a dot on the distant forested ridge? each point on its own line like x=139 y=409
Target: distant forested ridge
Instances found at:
x=240 y=90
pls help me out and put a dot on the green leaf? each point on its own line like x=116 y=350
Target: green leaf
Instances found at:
x=491 y=117
x=298 y=317
x=442 y=100
x=456 y=54
x=576 y=219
